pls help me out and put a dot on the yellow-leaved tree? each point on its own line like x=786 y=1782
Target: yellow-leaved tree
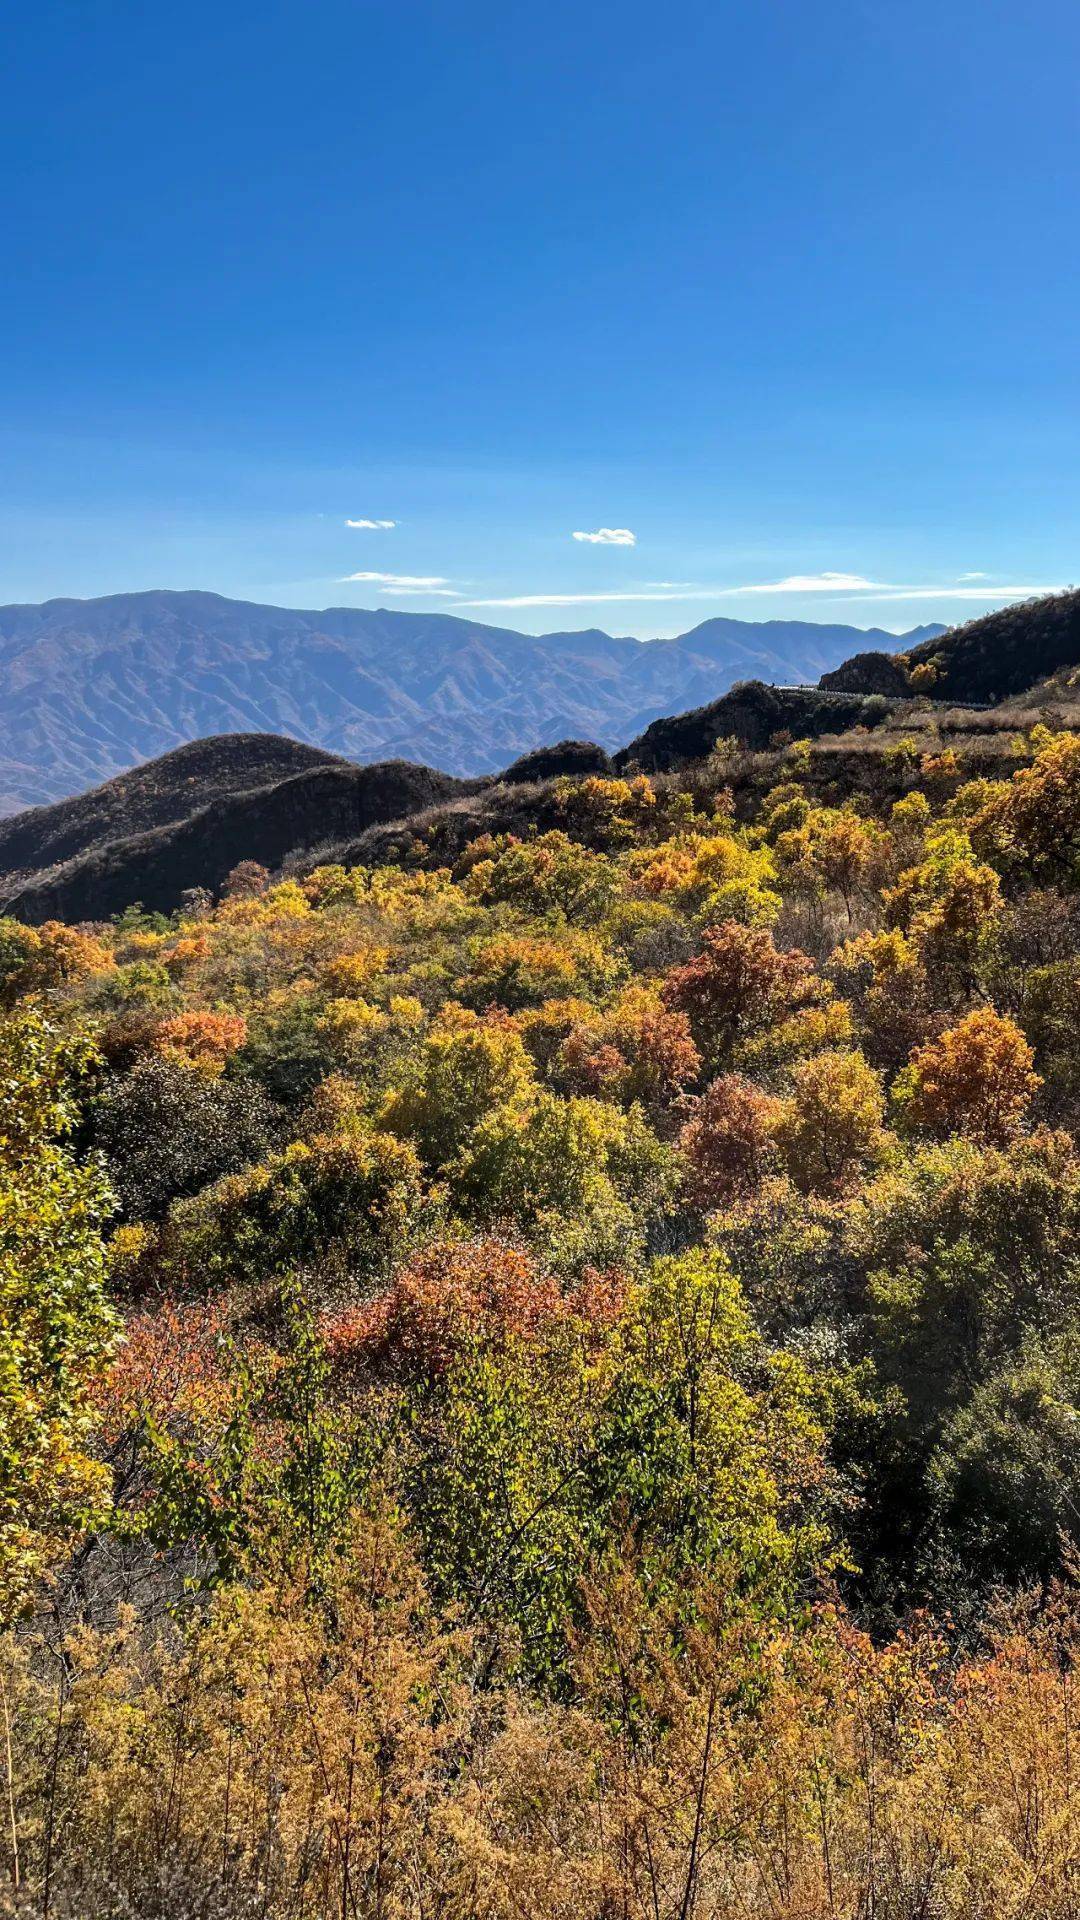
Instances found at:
x=56 y=1325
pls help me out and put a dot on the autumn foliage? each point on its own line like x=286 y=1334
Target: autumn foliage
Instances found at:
x=740 y=984
x=727 y=1140
x=539 y=1376
x=444 y=1300
x=975 y=1079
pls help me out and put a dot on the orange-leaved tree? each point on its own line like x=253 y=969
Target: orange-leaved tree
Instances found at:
x=975 y=1079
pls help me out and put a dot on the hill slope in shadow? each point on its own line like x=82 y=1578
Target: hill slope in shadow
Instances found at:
x=329 y=800
x=156 y=794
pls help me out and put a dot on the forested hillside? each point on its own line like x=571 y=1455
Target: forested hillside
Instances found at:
x=540 y=1369
x=1002 y=653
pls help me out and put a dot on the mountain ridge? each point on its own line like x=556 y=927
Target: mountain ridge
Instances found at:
x=92 y=688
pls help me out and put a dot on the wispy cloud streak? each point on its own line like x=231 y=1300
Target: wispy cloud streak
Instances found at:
x=835 y=586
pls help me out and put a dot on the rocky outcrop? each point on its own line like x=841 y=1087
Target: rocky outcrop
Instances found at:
x=868 y=673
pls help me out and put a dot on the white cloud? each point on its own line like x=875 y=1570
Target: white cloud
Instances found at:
x=372 y=526
x=404 y=583
x=810 y=583
x=974 y=576
x=608 y=537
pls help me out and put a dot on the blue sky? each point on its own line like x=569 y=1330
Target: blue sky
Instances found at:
x=787 y=292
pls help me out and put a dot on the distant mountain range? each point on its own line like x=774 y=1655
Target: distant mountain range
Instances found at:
x=185 y=818
x=89 y=688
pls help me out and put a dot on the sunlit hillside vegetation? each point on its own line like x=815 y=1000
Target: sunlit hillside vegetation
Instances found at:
x=541 y=1379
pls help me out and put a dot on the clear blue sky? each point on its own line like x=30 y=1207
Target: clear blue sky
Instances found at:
x=782 y=289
